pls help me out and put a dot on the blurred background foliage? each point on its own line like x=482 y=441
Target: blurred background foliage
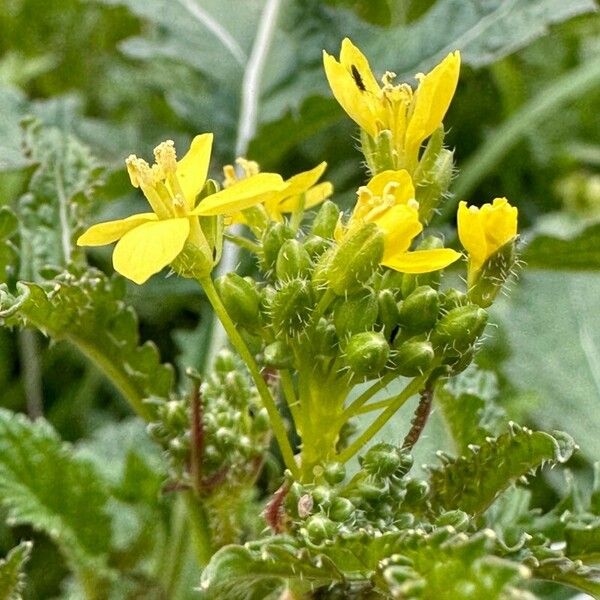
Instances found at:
x=123 y=75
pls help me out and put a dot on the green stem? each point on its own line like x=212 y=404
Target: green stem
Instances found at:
x=174 y=553
x=355 y=407
x=395 y=403
x=199 y=528
x=243 y=242
x=327 y=298
x=245 y=354
x=287 y=386
x=363 y=410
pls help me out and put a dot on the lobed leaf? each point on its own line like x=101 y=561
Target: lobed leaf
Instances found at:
x=473 y=481
x=12 y=579
x=87 y=309
x=43 y=485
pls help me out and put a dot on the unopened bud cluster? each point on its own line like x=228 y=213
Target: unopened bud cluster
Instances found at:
x=232 y=432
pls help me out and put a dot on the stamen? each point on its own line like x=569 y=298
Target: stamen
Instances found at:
x=139 y=171
x=230 y=175
x=166 y=158
x=249 y=167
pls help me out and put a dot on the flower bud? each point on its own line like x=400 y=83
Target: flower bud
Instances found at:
x=241 y=299
x=341 y=510
x=410 y=282
x=389 y=315
x=455 y=518
x=450 y=299
x=355 y=315
x=278 y=355
x=326 y=220
x=413 y=358
x=419 y=312
x=292 y=261
x=334 y=473
x=366 y=354
x=272 y=240
x=378 y=151
x=434 y=185
x=488 y=281
x=416 y=490
x=460 y=328
x=324 y=339
x=291 y=306
x=381 y=459
x=320 y=528
x=316 y=246
x=356 y=259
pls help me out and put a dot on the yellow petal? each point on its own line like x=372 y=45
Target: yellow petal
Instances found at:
x=471 y=233
x=499 y=222
x=351 y=56
x=432 y=99
x=312 y=197
x=145 y=250
x=422 y=261
x=403 y=192
x=400 y=224
x=193 y=168
x=301 y=182
x=359 y=104
x=111 y=231
x=242 y=194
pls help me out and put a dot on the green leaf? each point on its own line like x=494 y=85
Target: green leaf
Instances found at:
x=43 y=485
x=571 y=573
x=467 y=405
x=88 y=311
x=12 y=579
x=472 y=482
x=56 y=204
x=550 y=323
x=12 y=108
x=483 y=32
x=569 y=248
x=583 y=541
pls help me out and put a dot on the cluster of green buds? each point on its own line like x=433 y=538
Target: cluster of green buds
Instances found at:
x=218 y=436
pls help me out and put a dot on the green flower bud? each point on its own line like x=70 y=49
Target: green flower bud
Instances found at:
x=450 y=299
x=241 y=299
x=320 y=528
x=334 y=473
x=411 y=282
x=326 y=220
x=320 y=272
x=225 y=362
x=291 y=306
x=272 y=240
x=459 y=329
x=434 y=185
x=459 y=361
x=416 y=490
x=419 y=312
x=355 y=260
x=389 y=315
x=278 y=355
x=366 y=354
x=381 y=459
x=372 y=490
x=413 y=357
x=341 y=510
x=324 y=339
x=316 y=245
x=321 y=494
x=292 y=261
x=355 y=315
x=489 y=280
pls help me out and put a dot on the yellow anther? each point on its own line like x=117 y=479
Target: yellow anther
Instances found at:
x=250 y=167
x=229 y=175
x=139 y=171
x=166 y=158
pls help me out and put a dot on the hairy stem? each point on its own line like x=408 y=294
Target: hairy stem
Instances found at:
x=240 y=346
x=420 y=418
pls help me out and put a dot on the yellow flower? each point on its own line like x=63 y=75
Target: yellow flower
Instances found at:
x=301 y=192
x=388 y=201
x=150 y=241
x=411 y=117
x=483 y=231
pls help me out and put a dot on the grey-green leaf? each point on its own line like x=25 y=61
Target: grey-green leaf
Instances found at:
x=12 y=578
